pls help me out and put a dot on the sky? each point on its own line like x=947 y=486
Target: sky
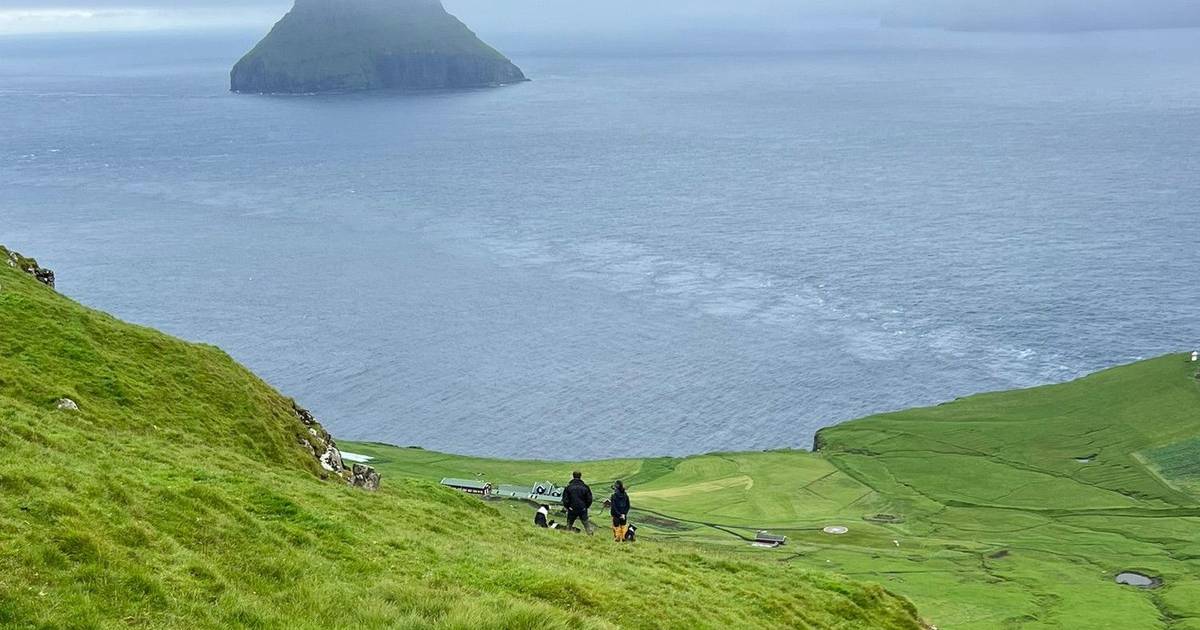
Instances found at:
x=504 y=16
x=614 y=18
x=48 y=16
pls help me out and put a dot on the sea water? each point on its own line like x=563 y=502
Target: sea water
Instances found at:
x=635 y=253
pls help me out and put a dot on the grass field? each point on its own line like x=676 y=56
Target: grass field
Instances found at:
x=178 y=497
x=1008 y=510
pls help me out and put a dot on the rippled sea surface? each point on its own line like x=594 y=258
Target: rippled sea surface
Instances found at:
x=632 y=254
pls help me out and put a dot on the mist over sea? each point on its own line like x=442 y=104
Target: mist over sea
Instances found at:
x=643 y=251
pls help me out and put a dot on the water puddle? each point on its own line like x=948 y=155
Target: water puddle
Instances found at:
x=1133 y=578
x=356 y=458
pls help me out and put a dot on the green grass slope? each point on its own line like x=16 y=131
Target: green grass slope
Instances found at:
x=1057 y=479
x=1005 y=510
x=178 y=497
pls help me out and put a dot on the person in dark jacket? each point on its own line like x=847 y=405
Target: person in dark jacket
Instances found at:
x=577 y=498
x=619 y=508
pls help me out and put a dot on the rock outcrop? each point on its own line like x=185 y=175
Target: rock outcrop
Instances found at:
x=818 y=441
x=28 y=265
x=364 y=477
x=320 y=444
x=66 y=404
x=348 y=45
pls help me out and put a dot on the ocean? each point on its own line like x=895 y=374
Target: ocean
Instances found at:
x=640 y=252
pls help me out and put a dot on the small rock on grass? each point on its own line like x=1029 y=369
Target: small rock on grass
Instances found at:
x=364 y=477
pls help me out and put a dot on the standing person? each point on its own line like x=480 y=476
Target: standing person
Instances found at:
x=577 y=498
x=619 y=508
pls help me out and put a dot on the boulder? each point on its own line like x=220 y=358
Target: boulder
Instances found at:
x=364 y=477
x=66 y=404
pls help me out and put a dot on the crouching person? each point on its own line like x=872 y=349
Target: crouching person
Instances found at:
x=542 y=518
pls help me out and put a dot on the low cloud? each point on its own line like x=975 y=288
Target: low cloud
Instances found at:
x=54 y=16
x=510 y=16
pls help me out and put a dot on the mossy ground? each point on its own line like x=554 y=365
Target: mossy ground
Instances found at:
x=997 y=525
x=178 y=497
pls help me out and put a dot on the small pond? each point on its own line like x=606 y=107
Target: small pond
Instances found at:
x=1133 y=578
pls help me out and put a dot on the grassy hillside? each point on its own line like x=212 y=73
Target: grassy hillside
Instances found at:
x=1006 y=510
x=178 y=497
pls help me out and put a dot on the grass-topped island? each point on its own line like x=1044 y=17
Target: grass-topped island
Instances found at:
x=153 y=483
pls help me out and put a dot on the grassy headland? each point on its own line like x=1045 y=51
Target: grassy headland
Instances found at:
x=1004 y=510
x=178 y=496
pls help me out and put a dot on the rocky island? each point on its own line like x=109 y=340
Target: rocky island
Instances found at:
x=349 y=45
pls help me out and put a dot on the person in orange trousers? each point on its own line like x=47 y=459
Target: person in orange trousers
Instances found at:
x=619 y=508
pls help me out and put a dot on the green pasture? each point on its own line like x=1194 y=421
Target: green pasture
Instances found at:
x=178 y=496
x=1003 y=510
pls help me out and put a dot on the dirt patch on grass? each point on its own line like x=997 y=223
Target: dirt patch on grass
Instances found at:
x=743 y=482
x=663 y=523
